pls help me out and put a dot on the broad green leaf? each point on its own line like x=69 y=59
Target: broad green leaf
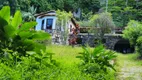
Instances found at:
x=17 y=20
x=39 y=47
x=5 y=13
x=39 y=35
x=30 y=52
x=98 y=50
x=29 y=44
x=27 y=26
x=25 y=34
x=9 y=31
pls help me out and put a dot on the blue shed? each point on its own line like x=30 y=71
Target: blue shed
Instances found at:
x=46 y=21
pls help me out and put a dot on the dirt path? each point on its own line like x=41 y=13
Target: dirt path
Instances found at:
x=129 y=68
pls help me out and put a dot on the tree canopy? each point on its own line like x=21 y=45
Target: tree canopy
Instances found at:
x=122 y=10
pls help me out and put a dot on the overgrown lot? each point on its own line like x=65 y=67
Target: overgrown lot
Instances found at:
x=24 y=56
x=64 y=66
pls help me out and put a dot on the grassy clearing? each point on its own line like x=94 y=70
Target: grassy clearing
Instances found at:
x=65 y=57
x=67 y=67
x=129 y=67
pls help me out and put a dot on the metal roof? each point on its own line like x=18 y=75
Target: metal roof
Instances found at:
x=48 y=13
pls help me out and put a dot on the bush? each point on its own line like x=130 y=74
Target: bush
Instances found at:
x=18 y=37
x=33 y=66
x=22 y=55
x=139 y=45
x=97 y=61
x=133 y=34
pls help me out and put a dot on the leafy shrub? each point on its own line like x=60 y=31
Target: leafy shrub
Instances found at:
x=97 y=61
x=36 y=66
x=139 y=45
x=22 y=53
x=19 y=37
x=133 y=34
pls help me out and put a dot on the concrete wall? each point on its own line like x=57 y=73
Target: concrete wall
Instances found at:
x=111 y=41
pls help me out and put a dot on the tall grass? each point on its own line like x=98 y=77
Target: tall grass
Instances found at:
x=65 y=57
x=66 y=67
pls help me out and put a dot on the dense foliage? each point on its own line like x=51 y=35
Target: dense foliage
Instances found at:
x=105 y=24
x=134 y=34
x=122 y=11
x=23 y=56
x=97 y=62
x=17 y=36
x=99 y=24
x=21 y=52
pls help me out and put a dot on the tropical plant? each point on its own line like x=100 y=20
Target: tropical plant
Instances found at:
x=22 y=55
x=29 y=16
x=17 y=36
x=96 y=60
x=34 y=66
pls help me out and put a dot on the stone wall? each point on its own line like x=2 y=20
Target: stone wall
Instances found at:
x=110 y=39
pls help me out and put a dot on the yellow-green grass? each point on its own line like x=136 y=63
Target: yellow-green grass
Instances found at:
x=66 y=54
x=65 y=57
x=132 y=59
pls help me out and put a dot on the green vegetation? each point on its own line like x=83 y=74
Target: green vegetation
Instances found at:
x=18 y=37
x=24 y=56
x=134 y=35
x=96 y=62
x=128 y=67
x=68 y=69
x=66 y=66
x=122 y=11
x=99 y=25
